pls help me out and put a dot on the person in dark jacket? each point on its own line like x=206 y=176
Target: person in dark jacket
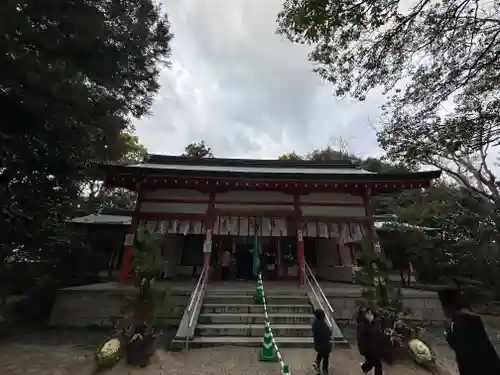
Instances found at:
x=322 y=335
x=369 y=341
x=467 y=337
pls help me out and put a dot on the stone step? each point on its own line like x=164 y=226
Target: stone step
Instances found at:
x=279 y=330
x=283 y=342
x=250 y=299
x=214 y=291
x=254 y=318
x=241 y=308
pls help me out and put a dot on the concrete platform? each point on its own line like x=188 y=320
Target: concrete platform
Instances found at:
x=94 y=305
x=423 y=306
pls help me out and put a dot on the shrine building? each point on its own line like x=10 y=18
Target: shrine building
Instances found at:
x=293 y=211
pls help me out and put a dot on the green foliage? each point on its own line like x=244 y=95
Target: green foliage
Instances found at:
x=148 y=263
x=198 y=150
x=419 y=52
x=384 y=298
x=140 y=312
x=147 y=254
x=291 y=156
x=377 y=292
x=464 y=245
x=73 y=76
x=422 y=54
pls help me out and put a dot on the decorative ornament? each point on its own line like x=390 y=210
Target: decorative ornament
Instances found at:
x=421 y=352
x=109 y=353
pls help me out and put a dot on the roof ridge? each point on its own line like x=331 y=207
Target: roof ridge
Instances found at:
x=170 y=159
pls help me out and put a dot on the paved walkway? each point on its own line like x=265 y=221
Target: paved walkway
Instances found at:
x=33 y=359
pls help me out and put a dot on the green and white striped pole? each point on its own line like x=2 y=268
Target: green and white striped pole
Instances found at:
x=260 y=289
x=270 y=350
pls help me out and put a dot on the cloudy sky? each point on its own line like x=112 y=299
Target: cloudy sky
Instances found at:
x=245 y=91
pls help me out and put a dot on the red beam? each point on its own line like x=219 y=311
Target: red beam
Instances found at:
x=247 y=203
x=242 y=184
x=289 y=190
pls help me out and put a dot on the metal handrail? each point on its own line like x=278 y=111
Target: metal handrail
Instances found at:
x=200 y=280
x=201 y=291
x=317 y=298
x=195 y=298
x=319 y=288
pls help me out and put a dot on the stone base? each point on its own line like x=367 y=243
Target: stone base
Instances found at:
x=424 y=306
x=95 y=304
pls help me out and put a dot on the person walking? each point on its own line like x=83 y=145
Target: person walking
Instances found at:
x=467 y=336
x=322 y=336
x=369 y=342
x=225 y=264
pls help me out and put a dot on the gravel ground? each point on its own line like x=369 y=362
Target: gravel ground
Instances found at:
x=45 y=360
x=68 y=352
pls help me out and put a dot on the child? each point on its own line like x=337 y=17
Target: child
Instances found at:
x=467 y=337
x=369 y=342
x=322 y=335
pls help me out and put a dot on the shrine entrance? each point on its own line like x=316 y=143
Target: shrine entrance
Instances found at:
x=275 y=257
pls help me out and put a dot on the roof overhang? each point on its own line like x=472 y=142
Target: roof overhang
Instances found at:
x=102 y=219
x=392 y=225
x=213 y=174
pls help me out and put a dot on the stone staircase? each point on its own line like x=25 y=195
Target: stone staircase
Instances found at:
x=230 y=316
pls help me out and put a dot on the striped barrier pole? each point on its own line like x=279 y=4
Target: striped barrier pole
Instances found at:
x=270 y=350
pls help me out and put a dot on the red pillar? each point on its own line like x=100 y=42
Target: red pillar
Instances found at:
x=125 y=268
x=300 y=239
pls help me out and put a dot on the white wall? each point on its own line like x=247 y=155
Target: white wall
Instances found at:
x=329 y=264
x=171 y=251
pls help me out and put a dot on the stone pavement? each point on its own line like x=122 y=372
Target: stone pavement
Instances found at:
x=33 y=359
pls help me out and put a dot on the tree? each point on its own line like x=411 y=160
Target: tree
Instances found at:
x=291 y=156
x=73 y=75
x=94 y=196
x=423 y=54
x=197 y=150
x=420 y=52
x=459 y=143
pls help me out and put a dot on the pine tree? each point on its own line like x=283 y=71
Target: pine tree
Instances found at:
x=385 y=298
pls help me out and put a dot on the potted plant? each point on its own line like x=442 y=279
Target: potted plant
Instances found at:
x=148 y=263
x=135 y=334
x=402 y=336
x=111 y=350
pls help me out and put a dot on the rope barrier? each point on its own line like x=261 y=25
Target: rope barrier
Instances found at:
x=270 y=349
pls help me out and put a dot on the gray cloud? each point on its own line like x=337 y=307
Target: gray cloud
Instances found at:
x=246 y=92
